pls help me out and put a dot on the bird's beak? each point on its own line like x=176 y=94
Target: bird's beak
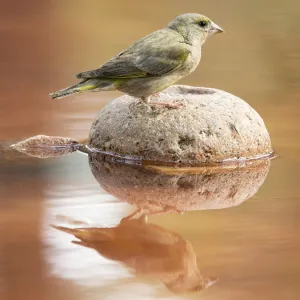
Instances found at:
x=214 y=29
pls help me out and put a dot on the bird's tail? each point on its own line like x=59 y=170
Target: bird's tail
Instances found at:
x=83 y=86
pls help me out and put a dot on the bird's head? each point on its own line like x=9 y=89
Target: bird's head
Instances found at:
x=195 y=28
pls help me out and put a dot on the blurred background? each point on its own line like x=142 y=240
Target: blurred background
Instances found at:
x=43 y=43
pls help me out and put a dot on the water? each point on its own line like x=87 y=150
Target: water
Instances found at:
x=248 y=248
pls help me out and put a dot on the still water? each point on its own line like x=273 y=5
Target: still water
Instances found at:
x=78 y=227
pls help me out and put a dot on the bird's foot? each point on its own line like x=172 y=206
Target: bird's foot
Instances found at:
x=167 y=104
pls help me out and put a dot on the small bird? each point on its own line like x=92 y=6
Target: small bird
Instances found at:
x=152 y=63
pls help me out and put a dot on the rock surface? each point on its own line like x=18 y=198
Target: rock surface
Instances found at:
x=212 y=126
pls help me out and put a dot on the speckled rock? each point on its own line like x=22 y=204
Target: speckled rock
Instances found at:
x=212 y=126
x=155 y=189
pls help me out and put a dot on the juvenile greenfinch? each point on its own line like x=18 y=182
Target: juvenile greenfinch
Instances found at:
x=152 y=63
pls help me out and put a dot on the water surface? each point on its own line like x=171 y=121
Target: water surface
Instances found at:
x=244 y=240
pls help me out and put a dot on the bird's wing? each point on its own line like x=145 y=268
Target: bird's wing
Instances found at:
x=154 y=55
x=117 y=67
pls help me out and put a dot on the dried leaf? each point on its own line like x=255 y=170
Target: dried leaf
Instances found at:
x=43 y=146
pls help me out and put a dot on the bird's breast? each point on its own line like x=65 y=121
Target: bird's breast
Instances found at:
x=191 y=62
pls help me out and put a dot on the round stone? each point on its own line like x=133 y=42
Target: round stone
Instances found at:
x=211 y=126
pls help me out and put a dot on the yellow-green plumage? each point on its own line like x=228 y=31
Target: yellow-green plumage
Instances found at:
x=152 y=63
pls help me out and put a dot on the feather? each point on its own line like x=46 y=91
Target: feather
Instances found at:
x=157 y=54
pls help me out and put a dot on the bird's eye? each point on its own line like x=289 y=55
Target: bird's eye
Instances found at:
x=202 y=24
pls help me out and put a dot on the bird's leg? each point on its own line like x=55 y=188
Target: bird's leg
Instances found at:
x=146 y=100
x=136 y=214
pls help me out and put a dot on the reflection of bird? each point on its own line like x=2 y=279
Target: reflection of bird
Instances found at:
x=152 y=63
x=148 y=249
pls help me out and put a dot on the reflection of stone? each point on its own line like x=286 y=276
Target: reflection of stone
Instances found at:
x=149 y=250
x=212 y=125
x=155 y=189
